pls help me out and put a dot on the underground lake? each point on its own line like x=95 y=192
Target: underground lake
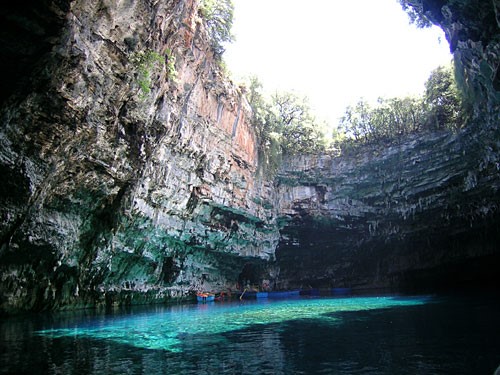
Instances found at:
x=141 y=170
x=302 y=335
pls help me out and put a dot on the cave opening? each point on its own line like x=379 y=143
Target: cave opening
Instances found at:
x=315 y=258
x=252 y=276
x=332 y=84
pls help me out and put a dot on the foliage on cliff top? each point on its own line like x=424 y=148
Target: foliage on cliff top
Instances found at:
x=440 y=108
x=478 y=16
x=417 y=12
x=285 y=125
x=218 y=16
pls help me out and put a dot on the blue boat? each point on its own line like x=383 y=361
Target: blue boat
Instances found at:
x=205 y=297
x=310 y=292
x=284 y=294
x=278 y=294
x=341 y=291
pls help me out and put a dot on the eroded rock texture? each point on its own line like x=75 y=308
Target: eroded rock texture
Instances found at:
x=420 y=215
x=110 y=194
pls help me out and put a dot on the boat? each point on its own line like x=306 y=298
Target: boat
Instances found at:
x=223 y=296
x=205 y=297
x=341 y=291
x=310 y=292
x=283 y=294
x=252 y=294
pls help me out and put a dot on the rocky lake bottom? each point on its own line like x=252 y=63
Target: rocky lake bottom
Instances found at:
x=303 y=335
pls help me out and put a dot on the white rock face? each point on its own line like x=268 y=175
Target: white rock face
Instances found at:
x=120 y=195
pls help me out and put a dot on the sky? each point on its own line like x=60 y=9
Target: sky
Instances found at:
x=333 y=51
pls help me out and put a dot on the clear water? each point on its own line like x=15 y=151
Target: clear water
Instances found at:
x=358 y=335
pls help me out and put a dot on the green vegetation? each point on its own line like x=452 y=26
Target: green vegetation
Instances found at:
x=170 y=62
x=416 y=12
x=389 y=120
x=148 y=62
x=480 y=73
x=285 y=126
x=444 y=100
x=218 y=16
x=439 y=108
x=293 y=120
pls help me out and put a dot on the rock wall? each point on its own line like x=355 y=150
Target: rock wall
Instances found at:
x=416 y=216
x=422 y=214
x=472 y=30
x=115 y=192
x=111 y=194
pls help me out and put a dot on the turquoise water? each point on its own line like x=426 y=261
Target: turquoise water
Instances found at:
x=358 y=335
x=166 y=330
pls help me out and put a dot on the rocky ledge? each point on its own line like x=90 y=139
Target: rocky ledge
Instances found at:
x=129 y=169
x=114 y=192
x=419 y=215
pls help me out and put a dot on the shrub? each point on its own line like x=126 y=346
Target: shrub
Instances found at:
x=145 y=63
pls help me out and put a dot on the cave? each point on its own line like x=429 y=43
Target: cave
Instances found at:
x=100 y=177
x=135 y=180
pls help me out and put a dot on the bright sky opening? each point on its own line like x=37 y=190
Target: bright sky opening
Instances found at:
x=333 y=52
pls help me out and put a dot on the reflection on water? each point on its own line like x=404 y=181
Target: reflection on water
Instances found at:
x=301 y=336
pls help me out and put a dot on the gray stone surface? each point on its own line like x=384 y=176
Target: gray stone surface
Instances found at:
x=111 y=195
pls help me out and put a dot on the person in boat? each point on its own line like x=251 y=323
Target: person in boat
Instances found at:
x=265 y=285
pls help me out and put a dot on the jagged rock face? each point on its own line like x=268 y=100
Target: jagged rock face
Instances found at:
x=419 y=215
x=405 y=216
x=472 y=29
x=113 y=195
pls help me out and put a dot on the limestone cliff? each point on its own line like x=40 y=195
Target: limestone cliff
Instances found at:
x=472 y=28
x=111 y=194
x=130 y=184
x=422 y=214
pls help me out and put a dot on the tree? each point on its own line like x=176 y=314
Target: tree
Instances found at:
x=265 y=123
x=284 y=125
x=442 y=96
x=416 y=12
x=218 y=15
x=260 y=108
x=357 y=121
x=441 y=107
x=388 y=120
x=300 y=131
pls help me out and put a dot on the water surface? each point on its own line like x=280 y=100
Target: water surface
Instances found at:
x=352 y=335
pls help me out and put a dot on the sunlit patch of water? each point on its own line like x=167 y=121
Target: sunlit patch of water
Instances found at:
x=168 y=329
